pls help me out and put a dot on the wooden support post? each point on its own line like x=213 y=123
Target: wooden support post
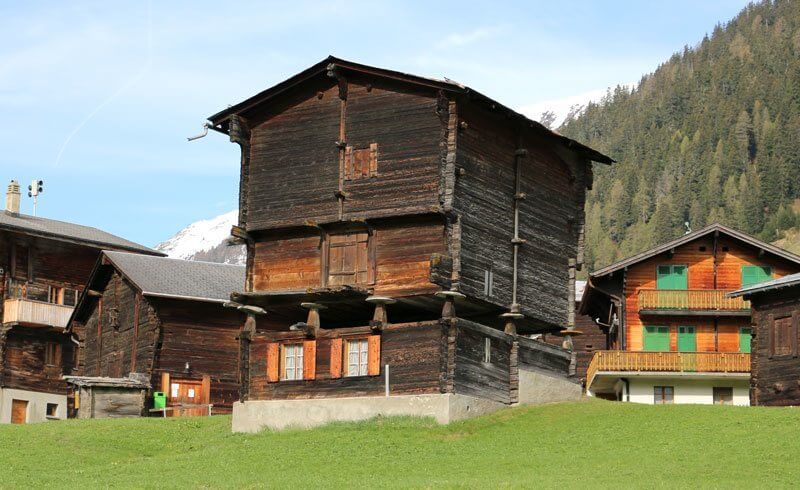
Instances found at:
x=380 y=318
x=312 y=324
x=449 y=307
x=511 y=322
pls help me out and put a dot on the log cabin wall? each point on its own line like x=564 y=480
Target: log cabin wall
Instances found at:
x=592 y=339
x=698 y=256
x=110 y=332
x=774 y=378
x=402 y=252
x=295 y=165
x=481 y=372
x=550 y=215
x=24 y=361
x=205 y=335
x=414 y=352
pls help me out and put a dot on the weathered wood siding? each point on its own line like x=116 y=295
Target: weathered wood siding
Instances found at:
x=23 y=366
x=403 y=251
x=549 y=215
x=592 y=339
x=294 y=161
x=107 y=402
x=774 y=379
x=413 y=351
x=108 y=349
x=474 y=377
x=698 y=256
x=206 y=336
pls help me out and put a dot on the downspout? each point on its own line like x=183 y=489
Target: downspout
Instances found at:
x=517 y=241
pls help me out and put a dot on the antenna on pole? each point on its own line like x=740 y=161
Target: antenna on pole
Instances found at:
x=36 y=188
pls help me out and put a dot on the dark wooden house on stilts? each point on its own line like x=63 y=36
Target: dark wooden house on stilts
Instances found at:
x=403 y=234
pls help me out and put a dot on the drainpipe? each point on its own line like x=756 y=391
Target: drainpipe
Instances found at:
x=517 y=241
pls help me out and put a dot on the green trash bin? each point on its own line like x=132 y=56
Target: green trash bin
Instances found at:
x=159 y=400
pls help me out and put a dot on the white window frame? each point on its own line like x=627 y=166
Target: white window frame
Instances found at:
x=358 y=365
x=292 y=362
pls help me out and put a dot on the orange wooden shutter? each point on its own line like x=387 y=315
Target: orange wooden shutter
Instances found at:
x=336 y=358
x=309 y=359
x=273 y=362
x=374 y=355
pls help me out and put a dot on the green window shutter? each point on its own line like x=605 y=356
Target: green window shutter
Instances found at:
x=744 y=339
x=754 y=274
x=672 y=277
x=687 y=339
x=664 y=277
x=656 y=339
x=680 y=277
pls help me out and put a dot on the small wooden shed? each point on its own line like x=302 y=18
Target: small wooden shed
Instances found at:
x=99 y=397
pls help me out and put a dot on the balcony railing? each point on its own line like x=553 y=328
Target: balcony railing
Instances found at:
x=35 y=313
x=690 y=300
x=679 y=362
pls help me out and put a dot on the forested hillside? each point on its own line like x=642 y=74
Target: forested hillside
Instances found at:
x=712 y=135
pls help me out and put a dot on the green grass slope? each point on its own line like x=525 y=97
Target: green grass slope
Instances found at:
x=587 y=444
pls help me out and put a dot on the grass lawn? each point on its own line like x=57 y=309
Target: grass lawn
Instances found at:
x=586 y=444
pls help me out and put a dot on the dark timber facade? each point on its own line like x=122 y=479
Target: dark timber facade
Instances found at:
x=44 y=265
x=374 y=204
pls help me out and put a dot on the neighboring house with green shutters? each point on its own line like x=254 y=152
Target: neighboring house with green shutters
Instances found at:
x=674 y=334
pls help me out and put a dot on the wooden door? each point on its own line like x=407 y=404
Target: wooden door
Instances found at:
x=19 y=411
x=188 y=392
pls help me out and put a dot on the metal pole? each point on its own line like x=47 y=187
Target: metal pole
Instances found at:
x=386 y=371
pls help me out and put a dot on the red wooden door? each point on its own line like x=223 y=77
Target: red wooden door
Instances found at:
x=19 y=411
x=188 y=392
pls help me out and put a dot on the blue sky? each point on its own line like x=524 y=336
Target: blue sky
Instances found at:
x=99 y=97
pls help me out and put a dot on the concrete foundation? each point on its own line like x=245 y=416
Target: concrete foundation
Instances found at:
x=37 y=405
x=253 y=416
x=543 y=387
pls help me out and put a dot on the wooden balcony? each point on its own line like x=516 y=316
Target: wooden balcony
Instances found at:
x=667 y=362
x=31 y=312
x=691 y=302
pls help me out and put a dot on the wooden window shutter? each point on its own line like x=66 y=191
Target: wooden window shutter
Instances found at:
x=374 y=355
x=273 y=362
x=336 y=358
x=309 y=359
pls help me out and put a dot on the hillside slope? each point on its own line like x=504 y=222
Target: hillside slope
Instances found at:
x=712 y=135
x=576 y=445
x=206 y=240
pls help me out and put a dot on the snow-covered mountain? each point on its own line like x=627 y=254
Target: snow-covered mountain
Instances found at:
x=206 y=240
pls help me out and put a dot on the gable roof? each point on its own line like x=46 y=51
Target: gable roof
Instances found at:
x=219 y=120
x=71 y=232
x=689 y=237
x=181 y=279
x=781 y=282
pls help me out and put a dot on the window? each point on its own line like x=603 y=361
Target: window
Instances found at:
x=292 y=362
x=723 y=396
x=656 y=339
x=754 y=274
x=52 y=410
x=663 y=395
x=361 y=162
x=357 y=355
x=488 y=281
x=782 y=336
x=349 y=259
x=672 y=277
x=745 y=335
x=687 y=340
x=52 y=354
x=487 y=350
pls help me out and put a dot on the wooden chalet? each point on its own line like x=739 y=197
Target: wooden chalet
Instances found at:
x=154 y=324
x=674 y=334
x=44 y=265
x=374 y=204
x=775 y=365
